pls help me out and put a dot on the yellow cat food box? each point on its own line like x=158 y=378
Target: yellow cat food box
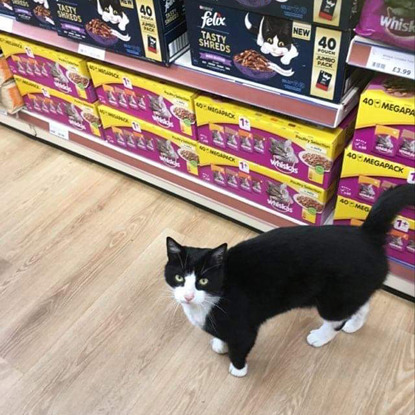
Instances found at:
x=149 y=141
x=293 y=147
x=61 y=107
x=63 y=71
x=303 y=202
x=160 y=103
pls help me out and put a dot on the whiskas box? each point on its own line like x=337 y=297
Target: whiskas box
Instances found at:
x=365 y=177
x=289 y=55
x=385 y=125
x=299 y=149
x=160 y=103
x=60 y=107
x=35 y=12
x=401 y=239
x=62 y=71
x=150 y=29
x=343 y=14
x=149 y=141
x=286 y=195
x=6 y=8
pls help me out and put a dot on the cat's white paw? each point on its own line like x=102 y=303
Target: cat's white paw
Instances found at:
x=218 y=346
x=318 y=338
x=239 y=373
x=357 y=321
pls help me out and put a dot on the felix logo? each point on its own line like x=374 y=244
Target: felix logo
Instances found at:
x=213 y=19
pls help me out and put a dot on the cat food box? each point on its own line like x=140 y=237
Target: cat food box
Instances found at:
x=385 y=124
x=165 y=105
x=62 y=71
x=61 y=107
x=149 y=29
x=289 y=55
x=147 y=140
x=36 y=12
x=401 y=239
x=342 y=14
x=285 y=195
x=6 y=8
x=308 y=152
x=365 y=177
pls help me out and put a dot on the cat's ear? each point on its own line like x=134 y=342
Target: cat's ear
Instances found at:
x=218 y=254
x=173 y=247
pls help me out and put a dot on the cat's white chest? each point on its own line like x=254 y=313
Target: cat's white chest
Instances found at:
x=196 y=314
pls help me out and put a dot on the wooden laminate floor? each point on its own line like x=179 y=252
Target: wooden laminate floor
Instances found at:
x=87 y=328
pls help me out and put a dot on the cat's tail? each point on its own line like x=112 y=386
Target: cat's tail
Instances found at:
x=386 y=208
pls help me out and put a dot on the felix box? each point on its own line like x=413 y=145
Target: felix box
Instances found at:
x=385 y=124
x=163 y=104
x=6 y=8
x=149 y=141
x=150 y=29
x=290 y=55
x=401 y=239
x=343 y=14
x=365 y=177
x=294 y=198
x=62 y=71
x=36 y=12
x=299 y=149
x=60 y=107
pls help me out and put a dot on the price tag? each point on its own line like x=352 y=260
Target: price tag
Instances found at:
x=59 y=130
x=91 y=51
x=244 y=124
x=392 y=62
x=6 y=24
x=401 y=225
x=244 y=166
x=127 y=82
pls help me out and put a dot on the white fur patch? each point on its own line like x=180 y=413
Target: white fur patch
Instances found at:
x=358 y=320
x=239 y=373
x=325 y=334
x=218 y=346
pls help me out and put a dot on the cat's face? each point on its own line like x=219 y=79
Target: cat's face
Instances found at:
x=112 y=12
x=194 y=274
x=277 y=36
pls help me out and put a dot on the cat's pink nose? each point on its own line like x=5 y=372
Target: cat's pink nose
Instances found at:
x=189 y=297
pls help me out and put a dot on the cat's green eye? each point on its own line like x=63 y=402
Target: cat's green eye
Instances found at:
x=281 y=44
x=270 y=40
x=179 y=278
x=203 y=281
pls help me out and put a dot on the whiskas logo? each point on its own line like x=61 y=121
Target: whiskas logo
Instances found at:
x=164 y=122
x=397 y=24
x=282 y=207
x=210 y=19
x=284 y=167
x=169 y=162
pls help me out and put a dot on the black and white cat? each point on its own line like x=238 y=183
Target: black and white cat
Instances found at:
x=274 y=36
x=231 y=293
x=112 y=12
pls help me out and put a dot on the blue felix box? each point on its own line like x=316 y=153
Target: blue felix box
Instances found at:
x=150 y=29
x=290 y=55
x=6 y=8
x=35 y=12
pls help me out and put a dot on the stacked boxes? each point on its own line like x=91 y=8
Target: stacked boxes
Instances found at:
x=382 y=148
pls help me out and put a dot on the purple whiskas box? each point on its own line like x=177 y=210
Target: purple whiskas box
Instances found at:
x=61 y=107
x=296 y=148
x=390 y=21
x=63 y=71
x=149 y=141
x=365 y=177
x=39 y=13
x=149 y=29
x=400 y=243
x=293 y=56
x=343 y=14
x=163 y=104
x=385 y=125
x=293 y=198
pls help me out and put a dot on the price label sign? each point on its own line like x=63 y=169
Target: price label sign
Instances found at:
x=392 y=62
x=244 y=166
x=244 y=124
x=91 y=51
x=401 y=225
x=59 y=130
x=6 y=24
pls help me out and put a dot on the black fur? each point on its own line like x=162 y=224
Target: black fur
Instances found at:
x=333 y=268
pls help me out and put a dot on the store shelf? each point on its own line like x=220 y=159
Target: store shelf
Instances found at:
x=182 y=72
x=366 y=53
x=188 y=187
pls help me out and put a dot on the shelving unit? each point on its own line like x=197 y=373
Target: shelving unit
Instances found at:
x=182 y=72
x=186 y=186
x=368 y=54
